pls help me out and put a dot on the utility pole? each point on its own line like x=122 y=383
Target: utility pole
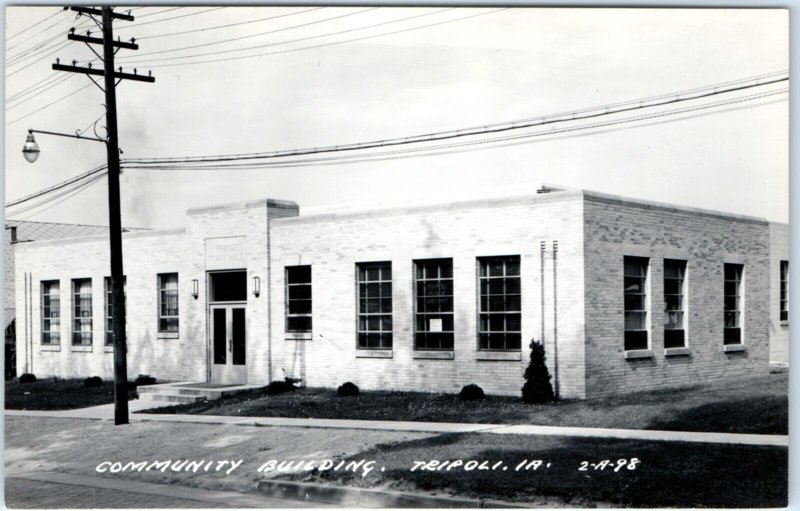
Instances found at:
x=110 y=47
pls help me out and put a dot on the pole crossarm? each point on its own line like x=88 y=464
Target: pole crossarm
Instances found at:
x=98 y=12
x=76 y=135
x=100 y=72
x=98 y=40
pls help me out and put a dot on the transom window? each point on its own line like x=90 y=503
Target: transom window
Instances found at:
x=674 y=278
x=733 y=302
x=51 y=312
x=109 y=310
x=500 y=313
x=636 y=302
x=375 y=305
x=298 y=298
x=784 y=308
x=434 y=305
x=168 y=302
x=82 y=312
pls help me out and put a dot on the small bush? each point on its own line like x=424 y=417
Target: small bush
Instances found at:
x=27 y=378
x=93 y=381
x=537 y=388
x=280 y=387
x=471 y=392
x=347 y=389
x=144 y=379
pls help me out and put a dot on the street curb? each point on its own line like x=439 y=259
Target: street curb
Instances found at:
x=364 y=497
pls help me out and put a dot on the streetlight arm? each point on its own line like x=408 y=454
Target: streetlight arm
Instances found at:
x=76 y=135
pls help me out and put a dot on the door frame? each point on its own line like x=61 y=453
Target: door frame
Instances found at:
x=210 y=306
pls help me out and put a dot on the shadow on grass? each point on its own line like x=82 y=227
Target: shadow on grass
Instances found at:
x=768 y=415
x=669 y=474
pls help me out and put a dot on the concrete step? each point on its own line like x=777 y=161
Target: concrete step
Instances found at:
x=171 y=398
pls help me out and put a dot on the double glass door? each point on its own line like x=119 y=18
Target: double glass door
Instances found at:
x=228 y=343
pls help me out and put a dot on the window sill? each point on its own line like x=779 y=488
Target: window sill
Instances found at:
x=374 y=354
x=51 y=347
x=499 y=355
x=784 y=323
x=108 y=349
x=298 y=336
x=734 y=348
x=168 y=335
x=675 y=352
x=85 y=349
x=433 y=355
x=633 y=354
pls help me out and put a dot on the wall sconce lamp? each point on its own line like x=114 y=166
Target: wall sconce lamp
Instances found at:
x=256 y=286
x=195 y=289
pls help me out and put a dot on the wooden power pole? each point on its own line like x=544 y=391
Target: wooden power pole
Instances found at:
x=111 y=78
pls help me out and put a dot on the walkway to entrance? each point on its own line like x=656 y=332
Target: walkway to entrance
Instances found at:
x=187 y=392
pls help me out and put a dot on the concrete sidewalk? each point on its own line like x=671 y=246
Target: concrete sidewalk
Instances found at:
x=106 y=412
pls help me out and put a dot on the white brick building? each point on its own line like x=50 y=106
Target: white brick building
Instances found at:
x=626 y=295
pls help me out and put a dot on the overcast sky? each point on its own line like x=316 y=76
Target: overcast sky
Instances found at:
x=470 y=67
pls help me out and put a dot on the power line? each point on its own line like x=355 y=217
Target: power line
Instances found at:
x=49 y=104
x=60 y=10
x=137 y=25
x=449 y=148
x=158 y=12
x=48 y=80
x=64 y=196
x=58 y=186
x=224 y=41
x=29 y=64
x=452 y=134
x=325 y=44
x=217 y=27
x=55 y=83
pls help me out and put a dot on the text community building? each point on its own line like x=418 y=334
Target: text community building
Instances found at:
x=626 y=295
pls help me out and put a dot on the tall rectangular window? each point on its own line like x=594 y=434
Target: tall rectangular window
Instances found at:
x=733 y=303
x=108 y=309
x=635 y=270
x=674 y=307
x=434 y=305
x=298 y=299
x=375 y=305
x=51 y=312
x=168 y=302
x=82 y=312
x=784 y=291
x=500 y=311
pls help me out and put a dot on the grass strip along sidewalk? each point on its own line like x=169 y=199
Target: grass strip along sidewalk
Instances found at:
x=59 y=394
x=637 y=474
x=753 y=405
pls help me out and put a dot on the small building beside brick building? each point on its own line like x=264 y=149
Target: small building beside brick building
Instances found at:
x=626 y=295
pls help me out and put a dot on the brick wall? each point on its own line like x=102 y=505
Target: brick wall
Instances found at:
x=333 y=244
x=615 y=228
x=778 y=330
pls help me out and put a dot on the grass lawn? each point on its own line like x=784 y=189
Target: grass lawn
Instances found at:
x=754 y=405
x=669 y=474
x=66 y=394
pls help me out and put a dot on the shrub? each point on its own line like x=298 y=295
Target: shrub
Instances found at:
x=347 y=389
x=537 y=388
x=471 y=392
x=93 y=381
x=144 y=379
x=27 y=378
x=280 y=387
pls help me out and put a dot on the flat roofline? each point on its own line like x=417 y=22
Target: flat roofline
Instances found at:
x=607 y=198
x=231 y=206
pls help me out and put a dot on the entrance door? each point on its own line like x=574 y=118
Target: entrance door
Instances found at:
x=228 y=344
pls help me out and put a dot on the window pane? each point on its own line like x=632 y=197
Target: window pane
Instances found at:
x=636 y=266
x=634 y=285
x=672 y=286
x=634 y=302
x=298 y=274
x=636 y=340
x=300 y=292
x=375 y=295
x=635 y=321
x=674 y=339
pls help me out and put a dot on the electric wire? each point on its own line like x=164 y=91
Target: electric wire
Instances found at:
x=58 y=186
x=47 y=80
x=77 y=190
x=49 y=104
x=159 y=12
x=29 y=64
x=56 y=83
x=36 y=34
x=229 y=40
x=452 y=147
x=59 y=11
x=324 y=44
x=217 y=27
x=137 y=25
x=459 y=133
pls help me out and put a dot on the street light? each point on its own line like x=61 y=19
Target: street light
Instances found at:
x=31 y=149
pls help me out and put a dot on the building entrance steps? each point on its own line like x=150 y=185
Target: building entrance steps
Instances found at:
x=188 y=392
